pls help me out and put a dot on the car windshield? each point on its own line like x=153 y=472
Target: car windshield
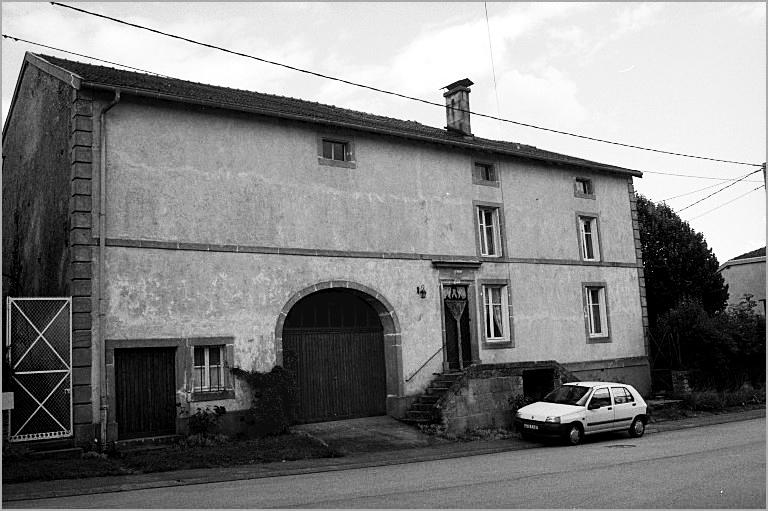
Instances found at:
x=568 y=395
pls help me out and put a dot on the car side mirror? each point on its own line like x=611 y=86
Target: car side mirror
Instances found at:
x=593 y=406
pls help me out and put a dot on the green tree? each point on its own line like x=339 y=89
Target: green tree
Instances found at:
x=678 y=263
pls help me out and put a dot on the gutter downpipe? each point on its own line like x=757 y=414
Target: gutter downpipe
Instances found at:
x=103 y=407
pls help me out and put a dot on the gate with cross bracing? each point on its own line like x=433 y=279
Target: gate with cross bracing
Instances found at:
x=39 y=341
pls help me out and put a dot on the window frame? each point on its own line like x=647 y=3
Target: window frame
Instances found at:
x=597 y=247
x=226 y=345
x=498 y=231
x=508 y=340
x=477 y=176
x=590 y=185
x=604 y=310
x=349 y=143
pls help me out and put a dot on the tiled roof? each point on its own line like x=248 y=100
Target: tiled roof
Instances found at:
x=754 y=253
x=280 y=106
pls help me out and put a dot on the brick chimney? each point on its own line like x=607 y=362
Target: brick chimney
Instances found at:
x=457 y=107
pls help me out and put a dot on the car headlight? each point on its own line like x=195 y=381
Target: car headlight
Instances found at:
x=556 y=420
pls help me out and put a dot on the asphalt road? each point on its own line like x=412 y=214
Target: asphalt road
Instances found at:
x=719 y=466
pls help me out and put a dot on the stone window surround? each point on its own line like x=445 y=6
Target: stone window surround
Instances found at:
x=347 y=139
x=502 y=248
x=510 y=341
x=579 y=193
x=183 y=370
x=602 y=339
x=477 y=178
x=598 y=245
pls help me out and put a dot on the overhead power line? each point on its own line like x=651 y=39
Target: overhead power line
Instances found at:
x=726 y=203
x=692 y=192
x=81 y=55
x=696 y=177
x=720 y=190
x=392 y=93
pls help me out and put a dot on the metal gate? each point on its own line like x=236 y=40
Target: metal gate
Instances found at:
x=39 y=339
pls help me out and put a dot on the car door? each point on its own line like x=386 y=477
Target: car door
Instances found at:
x=600 y=414
x=624 y=407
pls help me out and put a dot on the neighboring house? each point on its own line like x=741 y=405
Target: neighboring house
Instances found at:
x=199 y=228
x=745 y=275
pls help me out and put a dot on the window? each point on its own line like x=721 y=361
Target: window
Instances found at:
x=489 y=230
x=621 y=395
x=596 y=313
x=600 y=397
x=336 y=152
x=583 y=188
x=590 y=247
x=208 y=372
x=485 y=174
x=496 y=312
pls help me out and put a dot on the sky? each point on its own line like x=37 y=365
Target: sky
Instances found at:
x=682 y=77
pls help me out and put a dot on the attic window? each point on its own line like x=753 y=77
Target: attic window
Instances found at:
x=336 y=152
x=485 y=174
x=583 y=188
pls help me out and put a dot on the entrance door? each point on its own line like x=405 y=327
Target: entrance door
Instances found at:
x=458 y=346
x=333 y=342
x=145 y=392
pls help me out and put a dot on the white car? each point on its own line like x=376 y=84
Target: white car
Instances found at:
x=583 y=408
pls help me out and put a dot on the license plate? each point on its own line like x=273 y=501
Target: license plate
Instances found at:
x=530 y=426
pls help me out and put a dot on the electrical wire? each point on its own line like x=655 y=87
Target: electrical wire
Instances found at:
x=493 y=67
x=696 y=177
x=691 y=193
x=720 y=190
x=84 y=56
x=726 y=203
x=384 y=91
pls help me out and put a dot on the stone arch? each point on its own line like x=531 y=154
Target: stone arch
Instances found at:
x=393 y=355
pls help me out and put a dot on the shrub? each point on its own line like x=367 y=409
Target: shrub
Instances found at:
x=721 y=351
x=272 y=408
x=518 y=401
x=206 y=422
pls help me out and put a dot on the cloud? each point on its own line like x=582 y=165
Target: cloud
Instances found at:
x=630 y=19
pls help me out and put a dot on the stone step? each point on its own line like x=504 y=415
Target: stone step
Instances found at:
x=59 y=454
x=422 y=407
x=436 y=390
x=420 y=414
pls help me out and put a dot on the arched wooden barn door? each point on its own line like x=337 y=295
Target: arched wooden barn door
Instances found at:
x=333 y=341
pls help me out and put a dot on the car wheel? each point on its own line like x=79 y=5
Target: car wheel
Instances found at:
x=637 y=428
x=575 y=434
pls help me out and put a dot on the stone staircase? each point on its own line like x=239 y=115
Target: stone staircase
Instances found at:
x=425 y=409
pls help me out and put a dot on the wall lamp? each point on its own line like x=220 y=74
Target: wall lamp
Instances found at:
x=421 y=291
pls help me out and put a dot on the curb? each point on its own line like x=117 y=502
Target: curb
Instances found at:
x=108 y=484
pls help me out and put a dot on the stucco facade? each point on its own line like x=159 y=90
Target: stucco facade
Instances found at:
x=217 y=222
x=745 y=277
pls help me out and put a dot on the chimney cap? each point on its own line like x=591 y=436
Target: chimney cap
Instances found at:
x=466 y=82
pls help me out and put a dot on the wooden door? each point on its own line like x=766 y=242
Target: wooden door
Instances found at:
x=333 y=342
x=145 y=392
x=458 y=345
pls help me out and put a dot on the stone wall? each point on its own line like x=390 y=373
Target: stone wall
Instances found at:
x=481 y=397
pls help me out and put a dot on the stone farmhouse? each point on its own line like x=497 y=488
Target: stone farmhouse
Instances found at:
x=396 y=268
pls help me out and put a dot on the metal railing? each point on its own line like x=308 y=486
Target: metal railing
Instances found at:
x=423 y=365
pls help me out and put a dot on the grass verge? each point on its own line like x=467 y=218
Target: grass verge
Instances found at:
x=21 y=467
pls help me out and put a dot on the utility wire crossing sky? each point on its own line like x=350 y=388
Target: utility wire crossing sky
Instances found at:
x=684 y=82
